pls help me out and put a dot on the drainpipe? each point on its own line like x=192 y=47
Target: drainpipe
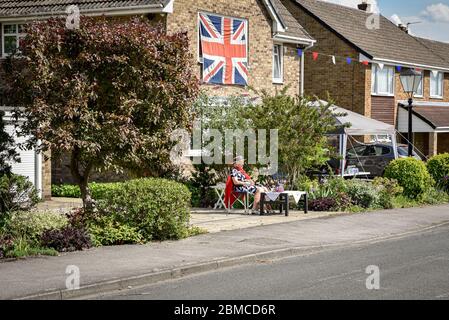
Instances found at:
x=302 y=68
x=38 y=170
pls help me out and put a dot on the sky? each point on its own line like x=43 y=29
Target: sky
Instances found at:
x=433 y=15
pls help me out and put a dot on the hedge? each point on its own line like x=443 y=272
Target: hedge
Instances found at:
x=412 y=175
x=438 y=167
x=157 y=209
x=98 y=190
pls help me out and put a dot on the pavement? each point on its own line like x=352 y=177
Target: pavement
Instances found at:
x=410 y=267
x=122 y=267
x=208 y=219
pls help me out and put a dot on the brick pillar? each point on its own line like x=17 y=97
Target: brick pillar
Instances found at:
x=433 y=144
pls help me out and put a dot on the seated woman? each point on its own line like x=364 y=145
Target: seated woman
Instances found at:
x=243 y=183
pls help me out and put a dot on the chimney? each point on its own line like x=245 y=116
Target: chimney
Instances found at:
x=403 y=27
x=364 y=6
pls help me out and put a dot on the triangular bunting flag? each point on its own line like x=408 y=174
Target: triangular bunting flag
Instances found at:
x=300 y=52
x=333 y=60
x=315 y=55
x=365 y=63
x=435 y=73
x=348 y=60
x=418 y=69
x=399 y=68
x=381 y=66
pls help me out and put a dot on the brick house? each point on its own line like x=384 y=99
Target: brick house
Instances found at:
x=271 y=38
x=373 y=88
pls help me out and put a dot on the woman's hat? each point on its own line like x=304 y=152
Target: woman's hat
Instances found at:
x=238 y=159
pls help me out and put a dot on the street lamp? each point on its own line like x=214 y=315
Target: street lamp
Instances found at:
x=410 y=80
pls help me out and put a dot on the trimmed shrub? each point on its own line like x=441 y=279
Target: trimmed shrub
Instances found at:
x=33 y=224
x=98 y=190
x=158 y=209
x=67 y=239
x=107 y=231
x=438 y=167
x=411 y=174
x=16 y=193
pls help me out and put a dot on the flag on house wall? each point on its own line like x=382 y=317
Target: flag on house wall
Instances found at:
x=224 y=49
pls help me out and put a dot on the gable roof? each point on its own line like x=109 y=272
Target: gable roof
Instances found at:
x=439 y=48
x=27 y=8
x=387 y=44
x=292 y=28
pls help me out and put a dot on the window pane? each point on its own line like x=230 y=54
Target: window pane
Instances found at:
x=10 y=44
x=21 y=28
x=420 y=92
x=276 y=62
x=436 y=84
x=10 y=29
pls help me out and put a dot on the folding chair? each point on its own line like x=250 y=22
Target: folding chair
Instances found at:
x=241 y=197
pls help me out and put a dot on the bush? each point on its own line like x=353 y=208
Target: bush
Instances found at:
x=157 y=208
x=32 y=225
x=438 y=167
x=411 y=174
x=363 y=194
x=16 y=193
x=106 y=231
x=66 y=239
x=388 y=190
x=98 y=190
x=323 y=204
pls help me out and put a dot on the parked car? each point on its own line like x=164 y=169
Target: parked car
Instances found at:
x=372 y=158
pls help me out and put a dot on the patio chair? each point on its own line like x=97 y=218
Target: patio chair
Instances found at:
x=240 y=197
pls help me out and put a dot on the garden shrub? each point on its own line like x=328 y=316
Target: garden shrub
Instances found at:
x=98 y=190
x=438 y=167
x=411 y=174
x=362 y=193
x=158 y=209
x=66 y=239
x=107 y=231
x=388 y=190
x=323 y=204
x=32 y=224
x=16 y=193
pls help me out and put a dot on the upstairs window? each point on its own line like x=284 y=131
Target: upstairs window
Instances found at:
x=278 y=72
x=11 y=36
x=436 y=84
x=420 y=91
x=382 y=81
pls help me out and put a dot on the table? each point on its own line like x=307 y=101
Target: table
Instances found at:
x=283 y=199
x=220 y=190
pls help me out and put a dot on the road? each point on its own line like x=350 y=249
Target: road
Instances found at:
x=412 y=267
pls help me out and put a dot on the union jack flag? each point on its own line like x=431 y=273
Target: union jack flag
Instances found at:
x=224 y=49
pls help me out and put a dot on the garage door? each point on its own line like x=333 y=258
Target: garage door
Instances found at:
x=26 y=166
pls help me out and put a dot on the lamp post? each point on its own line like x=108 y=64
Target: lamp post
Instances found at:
x=410 y=80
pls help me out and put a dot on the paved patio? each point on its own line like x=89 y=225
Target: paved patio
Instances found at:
x=211 y=220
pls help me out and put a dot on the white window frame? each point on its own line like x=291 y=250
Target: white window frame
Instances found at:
x=440 y=77
x=16 y=34
x=280 y=46
x=374 y=88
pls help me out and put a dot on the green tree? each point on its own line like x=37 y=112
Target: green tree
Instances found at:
x=7 y=148
x=109 y=93
x=302 y=131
